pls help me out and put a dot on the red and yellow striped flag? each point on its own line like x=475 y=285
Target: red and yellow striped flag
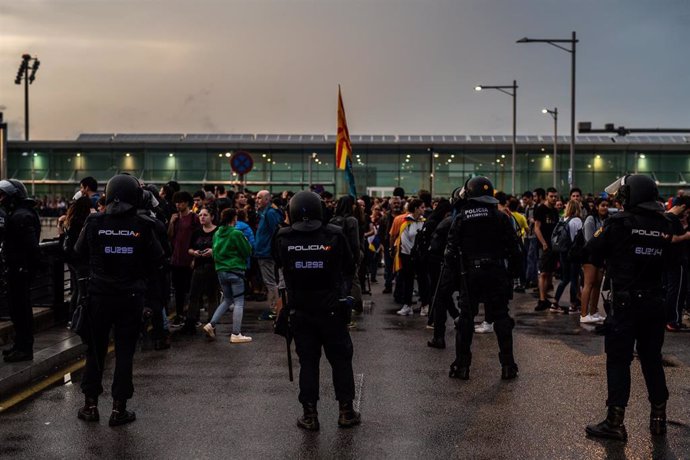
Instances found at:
x=343 y=147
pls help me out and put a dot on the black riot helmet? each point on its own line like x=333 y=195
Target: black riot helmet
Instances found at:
x=479 y=189
x=122 y=194
x=306 y=212
x=12 y=192
x=636 y=191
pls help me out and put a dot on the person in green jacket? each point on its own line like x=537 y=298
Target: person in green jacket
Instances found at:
x=230 y=252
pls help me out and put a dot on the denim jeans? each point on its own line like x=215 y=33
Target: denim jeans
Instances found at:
x=232 y=286
x=532 y=259
x=570 y=274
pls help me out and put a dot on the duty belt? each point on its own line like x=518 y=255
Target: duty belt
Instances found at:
x=483 y=262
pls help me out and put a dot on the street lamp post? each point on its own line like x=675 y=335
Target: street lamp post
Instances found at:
x=507 y=90
x=431 y=176
x=554 y=42
x=554 y=115
x=23 y=74
x=312 y=159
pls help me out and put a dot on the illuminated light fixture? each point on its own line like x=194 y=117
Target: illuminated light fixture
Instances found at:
x=268 y=159
x=358 y=155
x=503 y=156
x=228 y=154
x=220 y=155
x=477 y=88
x=435 y=155
x=544 y=110
x=128 y=154
x=498 y=161
x=78 y=154
x=452 y=156
x=642 y=156
x=589 y=166
x=35 y=154
x=598 y=157
x=449 y=160
x=26 y=154
x=170 y=155
x=543 y=149
x=407 y=160
x=408 y=155
x=263 y=155
x=547 y=157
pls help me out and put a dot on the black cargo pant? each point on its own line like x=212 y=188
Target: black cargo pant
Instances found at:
x=635 y=318
x=123 y=314
x=21 y=314
x=311 y=333
x=483 y=282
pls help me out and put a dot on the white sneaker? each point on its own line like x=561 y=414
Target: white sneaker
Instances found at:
x=484 y=328
x=210 y=331
x=598 y=317
x=239 y=338
x=424 y=311
x=406 y=310
x=589 y=319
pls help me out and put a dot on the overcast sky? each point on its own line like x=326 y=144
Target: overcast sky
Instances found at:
x=405 y=66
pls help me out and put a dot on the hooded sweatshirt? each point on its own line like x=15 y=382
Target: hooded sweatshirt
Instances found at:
x=230 y=250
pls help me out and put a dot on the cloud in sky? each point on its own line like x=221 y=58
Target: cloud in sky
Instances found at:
x=273 y=66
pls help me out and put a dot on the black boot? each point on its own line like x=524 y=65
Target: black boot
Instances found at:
x=310 y=420
x=16 y=356
x=460 y=369
x=89 y=412
x=8 y=351
x=657 y=419
x=437 y=343
x=349 y=417
x=612 y=427
x=120 y=414
x=509 y=369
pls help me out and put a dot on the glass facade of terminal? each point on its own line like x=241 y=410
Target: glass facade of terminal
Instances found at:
x=55 y=167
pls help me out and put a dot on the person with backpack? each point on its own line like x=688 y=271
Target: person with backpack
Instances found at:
x=562 y=241
x=345 y=219
x=420 y=254
x=593 y=276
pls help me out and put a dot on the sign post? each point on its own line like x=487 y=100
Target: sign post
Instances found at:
x=241 y=163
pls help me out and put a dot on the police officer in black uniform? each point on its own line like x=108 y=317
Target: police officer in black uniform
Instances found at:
x=22 y=235
x=315 y=258
x=482 y=247
x=122 y=250
x=634 y=245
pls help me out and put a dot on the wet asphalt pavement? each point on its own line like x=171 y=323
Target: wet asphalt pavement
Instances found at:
x=220 y=400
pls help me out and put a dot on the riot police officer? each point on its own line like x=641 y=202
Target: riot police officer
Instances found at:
x=315 y=258
x=122 y=250
x=635 y=246
x=22 y=234
x=481 y=248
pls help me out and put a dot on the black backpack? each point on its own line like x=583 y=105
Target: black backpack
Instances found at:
x=422 y=240
x=560 y=238
x=576 y=253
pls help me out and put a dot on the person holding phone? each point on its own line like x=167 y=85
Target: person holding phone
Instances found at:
x=204 y=277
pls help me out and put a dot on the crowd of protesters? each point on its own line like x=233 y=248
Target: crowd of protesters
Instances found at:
x=220 y=251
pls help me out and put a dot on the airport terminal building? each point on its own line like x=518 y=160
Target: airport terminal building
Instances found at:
x=380 y=162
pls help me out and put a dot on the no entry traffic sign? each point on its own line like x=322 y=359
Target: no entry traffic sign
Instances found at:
x=241 y=162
